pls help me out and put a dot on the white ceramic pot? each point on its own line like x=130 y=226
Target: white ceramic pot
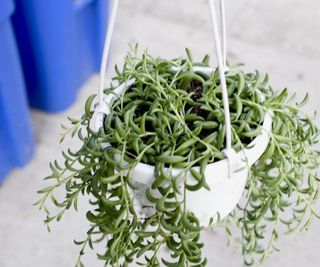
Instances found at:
x=225 y=190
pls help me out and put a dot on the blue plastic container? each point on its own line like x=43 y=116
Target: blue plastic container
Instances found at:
x=16 y=142
x=60 y=43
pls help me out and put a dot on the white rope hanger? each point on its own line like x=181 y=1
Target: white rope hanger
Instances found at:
x=106 y=51
x=220 y=49
x=223 y=32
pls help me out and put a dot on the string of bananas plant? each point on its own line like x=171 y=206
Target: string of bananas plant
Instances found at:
x=176 y=120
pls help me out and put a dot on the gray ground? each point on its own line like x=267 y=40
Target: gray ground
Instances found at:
x=278 y=37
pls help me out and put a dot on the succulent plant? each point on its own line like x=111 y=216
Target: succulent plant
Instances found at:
x=175 y=119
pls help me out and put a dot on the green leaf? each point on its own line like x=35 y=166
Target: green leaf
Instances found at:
x=88 y=105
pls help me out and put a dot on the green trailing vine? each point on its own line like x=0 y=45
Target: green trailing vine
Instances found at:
x=172 y=120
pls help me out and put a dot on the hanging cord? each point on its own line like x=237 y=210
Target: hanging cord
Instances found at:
x=223 y=32
x=106 y=51
x=220 y=47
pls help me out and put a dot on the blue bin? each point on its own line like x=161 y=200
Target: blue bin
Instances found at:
x=60 y=43
x=16 y=142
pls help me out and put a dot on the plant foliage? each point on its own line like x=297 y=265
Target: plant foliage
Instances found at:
x=175 y=119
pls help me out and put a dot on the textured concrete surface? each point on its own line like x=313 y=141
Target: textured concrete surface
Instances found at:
x=278 y=37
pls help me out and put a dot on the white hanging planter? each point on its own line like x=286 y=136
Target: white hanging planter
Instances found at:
x=225 y=188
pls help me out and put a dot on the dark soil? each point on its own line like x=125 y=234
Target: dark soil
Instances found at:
x=196 y=88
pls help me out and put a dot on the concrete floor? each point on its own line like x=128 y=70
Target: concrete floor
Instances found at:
x=278 y=37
